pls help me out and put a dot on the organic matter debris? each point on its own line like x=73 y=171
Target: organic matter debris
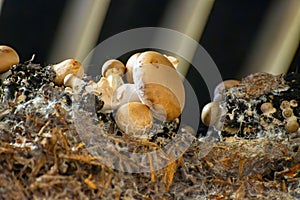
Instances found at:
x=44 y=157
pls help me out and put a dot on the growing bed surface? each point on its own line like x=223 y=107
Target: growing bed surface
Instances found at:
x=44 y=157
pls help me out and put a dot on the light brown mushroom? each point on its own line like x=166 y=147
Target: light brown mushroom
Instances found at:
x=287 y=113
x=292 y=126
x=159 y=86
x=73 y=81
x=69 y=66
x=8 y=58
x=134 y=118
x=103 y=87
x=267 y=108
x=210 y=113
x=153 y=57
x=284 y=104
x=131 y=62
x=293 y=103
x=114 y=70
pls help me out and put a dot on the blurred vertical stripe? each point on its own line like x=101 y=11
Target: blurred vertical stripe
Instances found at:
x=188 y=17
x=79 y=29
x=277 y=43
x=1 y=3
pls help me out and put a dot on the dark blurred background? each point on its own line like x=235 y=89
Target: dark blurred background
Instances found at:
x=230 y=34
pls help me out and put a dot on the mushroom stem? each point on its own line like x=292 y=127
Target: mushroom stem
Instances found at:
x=114 y=70
x=115 y=81
x=73 y=82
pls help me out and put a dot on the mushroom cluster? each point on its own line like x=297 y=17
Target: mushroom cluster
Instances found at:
x=257 y=105
x=291 y=122
x=153 y=90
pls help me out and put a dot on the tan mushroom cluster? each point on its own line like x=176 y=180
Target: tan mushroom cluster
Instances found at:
x=266 y=119
x=153 y=89
x=290 y=120
x=251 y=108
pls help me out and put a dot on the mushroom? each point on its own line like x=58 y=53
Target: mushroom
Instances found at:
x=101 y=87
x=8 y=58
x=267 y=108
x=129 y=66
x=134 y=118
x=73 y=82
x=124 y=94
x=112 y=100
x=284 y=104
x=222 y=86
x=173 y=60
x=156 y=58
x=292 y=126
x=293 y=103
x=210 y=113
x=114 y=70
x=159 y=85
x=287 y=113
x=153 y=57
x=69 y=66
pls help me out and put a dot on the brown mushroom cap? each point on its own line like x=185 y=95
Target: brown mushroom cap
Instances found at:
x=134 y=118
x=267 y=108
x=161 y=89
x=284 y=104
x=69 y=66
x=162 y=101
x=152 y=57
x=113 y=66
x=292 y=126
x=8 y=58
x=287 y=113
x=293 y=103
